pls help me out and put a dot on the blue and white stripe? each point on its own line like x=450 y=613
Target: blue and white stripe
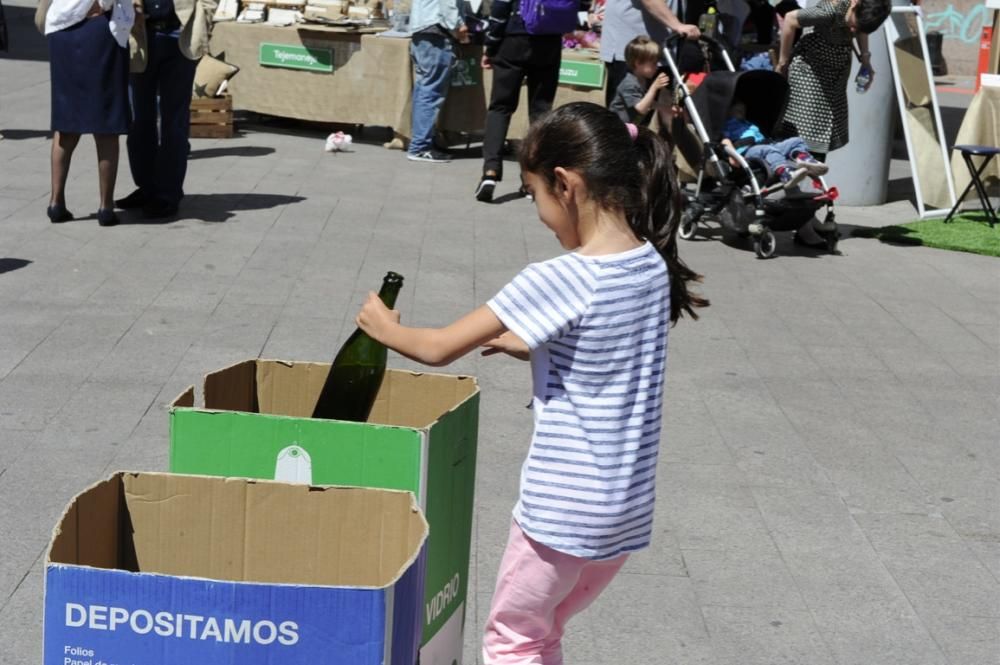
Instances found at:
x=597 y=327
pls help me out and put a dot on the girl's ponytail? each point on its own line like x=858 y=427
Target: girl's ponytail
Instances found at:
x=658 y=215
x=625 y=169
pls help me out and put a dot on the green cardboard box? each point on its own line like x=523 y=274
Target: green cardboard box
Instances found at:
x=256 y=423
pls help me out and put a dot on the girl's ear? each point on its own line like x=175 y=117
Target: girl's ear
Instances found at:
x=563 y=188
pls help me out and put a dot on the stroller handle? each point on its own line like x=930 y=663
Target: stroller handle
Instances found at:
x=672 y=40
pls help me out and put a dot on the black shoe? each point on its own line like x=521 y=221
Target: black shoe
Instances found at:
x=484 y=191
x=107 y=217
x=134 y=200
x=159 y=209
x=798 y=240
x=523 y=191
x=58 y=214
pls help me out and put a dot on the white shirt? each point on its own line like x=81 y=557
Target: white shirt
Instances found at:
x=63 y=14
x=597 y=330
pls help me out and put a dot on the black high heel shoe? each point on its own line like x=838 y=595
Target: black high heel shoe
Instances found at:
x=107 y=217
x=58 y=213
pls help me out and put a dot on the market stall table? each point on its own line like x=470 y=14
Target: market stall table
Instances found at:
x=353 y=76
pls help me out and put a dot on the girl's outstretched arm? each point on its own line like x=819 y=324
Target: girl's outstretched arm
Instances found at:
x=430 y=346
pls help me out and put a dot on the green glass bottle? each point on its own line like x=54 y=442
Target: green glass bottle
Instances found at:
x=358 y=369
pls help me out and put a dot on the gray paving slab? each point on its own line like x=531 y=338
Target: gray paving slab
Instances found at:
x=829 y=478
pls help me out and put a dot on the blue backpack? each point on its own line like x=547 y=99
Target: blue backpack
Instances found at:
x=550 y=17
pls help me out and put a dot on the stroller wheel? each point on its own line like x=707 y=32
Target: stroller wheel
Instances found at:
x=688 y=228
x=764 y=245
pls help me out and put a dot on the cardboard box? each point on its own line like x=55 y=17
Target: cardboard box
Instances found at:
x=159 y=569
x=421 y=437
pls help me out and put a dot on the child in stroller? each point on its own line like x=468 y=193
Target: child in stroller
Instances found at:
x=788 y=159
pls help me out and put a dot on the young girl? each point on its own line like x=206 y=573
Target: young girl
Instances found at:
x=594 y=325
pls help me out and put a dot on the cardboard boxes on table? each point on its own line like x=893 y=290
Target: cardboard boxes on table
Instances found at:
x=161 y=569
x=421 y=437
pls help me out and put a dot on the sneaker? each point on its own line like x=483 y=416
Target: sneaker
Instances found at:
x=432 y=156
x=523 y=191
x=484 y=191
x=812 y=166
x=789 y=177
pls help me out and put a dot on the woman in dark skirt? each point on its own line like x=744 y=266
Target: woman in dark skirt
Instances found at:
x=89 y=61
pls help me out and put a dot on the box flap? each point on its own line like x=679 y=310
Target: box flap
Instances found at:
x=233 y=388
x=185 y=399
x=344 y=535
x=260 y=531
x=280 y=387
x=89 y=532
x=288 y=388
x=415 y=399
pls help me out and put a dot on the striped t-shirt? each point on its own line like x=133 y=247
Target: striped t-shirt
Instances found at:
x=597 y=329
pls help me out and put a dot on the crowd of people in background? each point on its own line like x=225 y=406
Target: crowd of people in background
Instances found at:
x=99 y=87
x=637 y=88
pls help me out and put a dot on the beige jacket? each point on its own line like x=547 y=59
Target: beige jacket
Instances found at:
x=196 y=28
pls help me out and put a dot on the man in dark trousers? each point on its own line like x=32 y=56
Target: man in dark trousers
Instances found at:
x=515 y=55
x=176 y=36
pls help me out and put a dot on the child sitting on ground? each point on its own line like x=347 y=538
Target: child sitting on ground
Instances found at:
x=636 y=96
x=790 y=159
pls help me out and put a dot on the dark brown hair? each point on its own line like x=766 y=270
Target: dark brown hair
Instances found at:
x=636 y=177
x=871 y=14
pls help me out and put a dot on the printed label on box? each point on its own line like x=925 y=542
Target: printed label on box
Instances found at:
x=117 y=618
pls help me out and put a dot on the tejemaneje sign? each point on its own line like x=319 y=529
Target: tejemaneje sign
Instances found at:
x=291 y=56
x=580 y=73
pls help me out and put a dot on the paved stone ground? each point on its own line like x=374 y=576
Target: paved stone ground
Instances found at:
x=829 y=479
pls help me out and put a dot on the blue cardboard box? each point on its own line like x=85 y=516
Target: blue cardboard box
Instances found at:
x=161 y=569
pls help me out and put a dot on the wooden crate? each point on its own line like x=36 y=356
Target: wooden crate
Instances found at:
x=212 y=117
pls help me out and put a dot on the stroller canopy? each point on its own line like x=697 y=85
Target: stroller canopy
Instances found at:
x=763 y=92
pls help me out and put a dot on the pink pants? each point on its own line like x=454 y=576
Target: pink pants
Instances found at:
x=538 y=590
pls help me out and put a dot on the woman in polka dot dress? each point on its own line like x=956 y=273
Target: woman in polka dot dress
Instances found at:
x=820 y=64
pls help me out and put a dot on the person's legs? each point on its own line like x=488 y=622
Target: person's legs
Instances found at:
x=797 y=151
x=593 y=580
x=433 y=58
x=767 y=153
x=143 y=139
x=792 y=147
x=107 y=171
x=107 y=167
x=508 y=74
x=532 y=583
x=543 y=74
x=615 y=71
x=63 y=145
x=174 y=83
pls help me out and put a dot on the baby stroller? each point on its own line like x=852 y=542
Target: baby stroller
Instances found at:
x=744 y=200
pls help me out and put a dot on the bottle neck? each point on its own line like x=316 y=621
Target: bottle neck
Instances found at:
x=389 y=292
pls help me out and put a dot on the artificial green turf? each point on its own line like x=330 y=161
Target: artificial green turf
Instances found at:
x=968 y=232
